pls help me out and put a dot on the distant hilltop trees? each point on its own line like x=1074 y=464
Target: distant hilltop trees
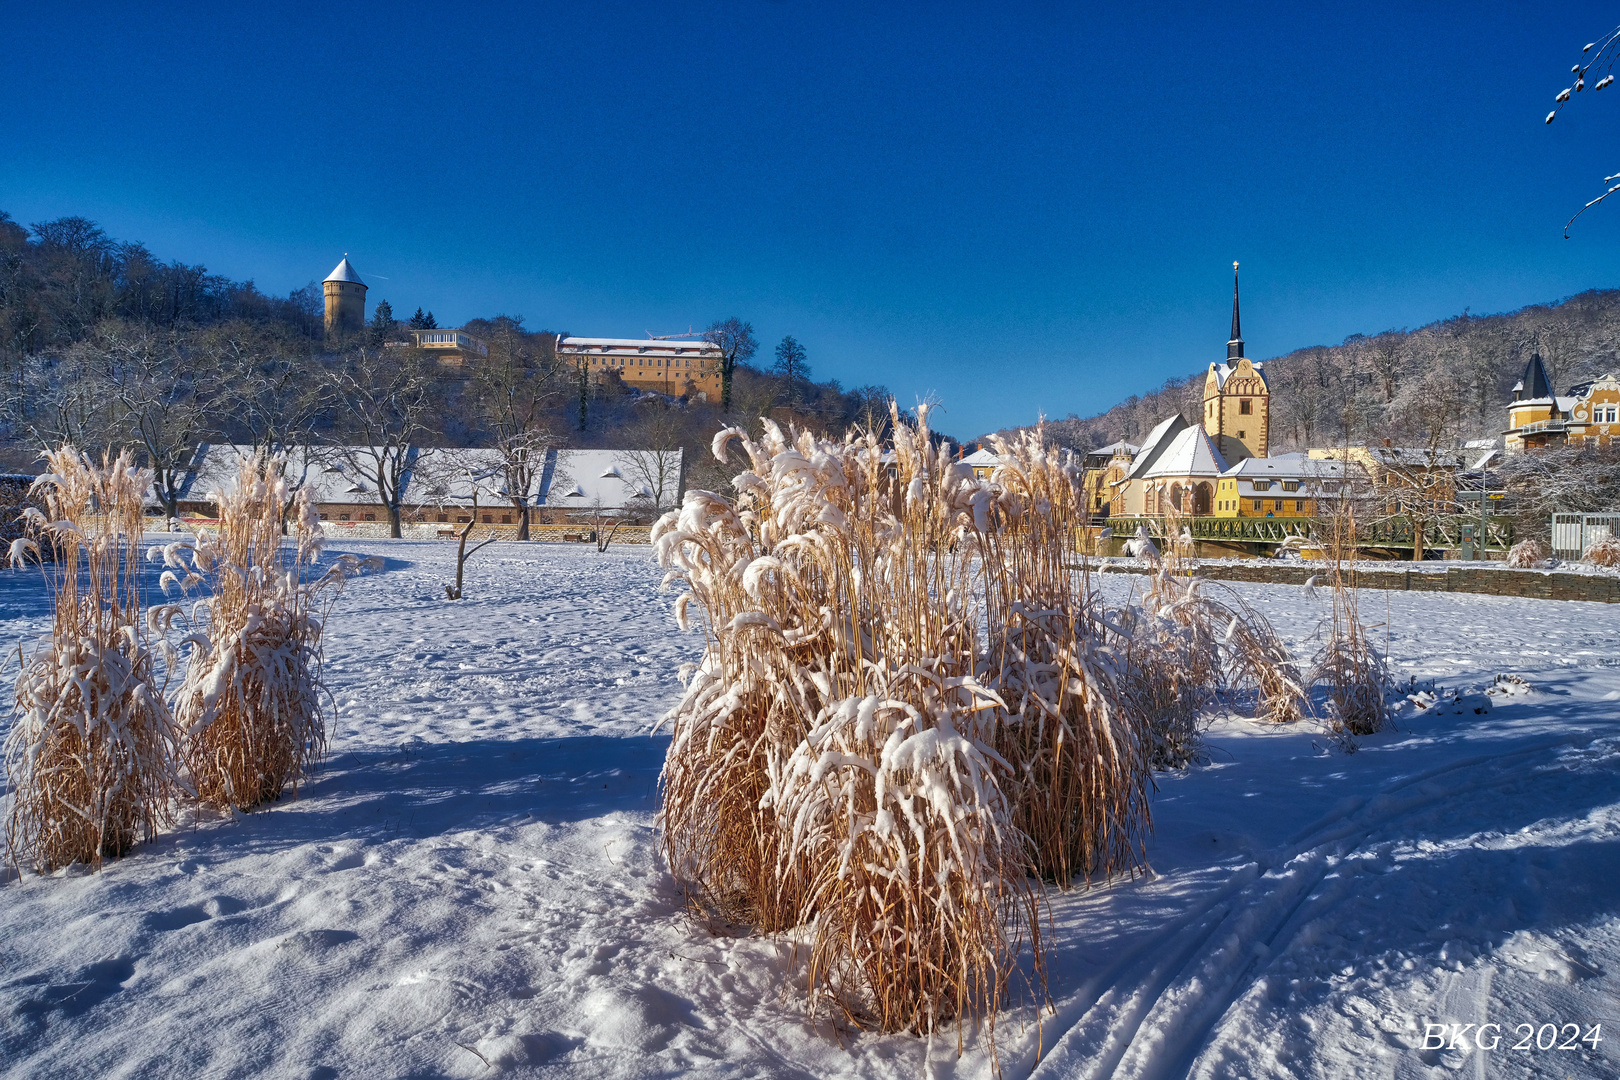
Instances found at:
x=1450 y=379
x=102 y=344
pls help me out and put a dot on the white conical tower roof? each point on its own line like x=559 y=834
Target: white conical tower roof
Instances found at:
x=344 y=272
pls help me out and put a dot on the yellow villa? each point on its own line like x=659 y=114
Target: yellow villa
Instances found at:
x=1539 y=418
x=664 y=366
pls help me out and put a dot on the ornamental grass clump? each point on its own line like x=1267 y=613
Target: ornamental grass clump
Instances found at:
x=1189 y=645
x=833 y=764
x=90 y=757
x=1527 y=554
x=250 y=704
x=1603 y=552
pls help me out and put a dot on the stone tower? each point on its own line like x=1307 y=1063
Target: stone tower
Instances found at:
x=1237 y=401
x=345 y=301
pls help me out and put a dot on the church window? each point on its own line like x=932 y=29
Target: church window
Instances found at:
x=1245 y=407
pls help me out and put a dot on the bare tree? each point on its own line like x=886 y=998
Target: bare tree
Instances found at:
x=1597 y=62
x=515 y=391
x=652 y=467
x=735 y=340
x=386 y=401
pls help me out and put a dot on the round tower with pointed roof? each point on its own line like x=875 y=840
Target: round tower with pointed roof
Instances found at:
x=345 y=301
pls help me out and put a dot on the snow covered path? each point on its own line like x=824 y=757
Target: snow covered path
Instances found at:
x=472 y=885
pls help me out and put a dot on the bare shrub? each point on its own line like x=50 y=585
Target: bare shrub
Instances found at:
x=1603 y=552
x=90 y=758
x=250 y=704
x=1527 y=554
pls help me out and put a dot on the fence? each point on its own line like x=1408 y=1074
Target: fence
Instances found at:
x=1572 y=534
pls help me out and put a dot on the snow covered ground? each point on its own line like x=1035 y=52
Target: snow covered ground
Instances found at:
x=472 y=885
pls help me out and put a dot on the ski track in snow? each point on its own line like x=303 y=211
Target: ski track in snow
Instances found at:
x=472 y=884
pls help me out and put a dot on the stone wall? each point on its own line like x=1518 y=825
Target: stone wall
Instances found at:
x=1537 y=584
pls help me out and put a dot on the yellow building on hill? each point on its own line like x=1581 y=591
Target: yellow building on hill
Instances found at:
x=1539 y=418
x=673 y=368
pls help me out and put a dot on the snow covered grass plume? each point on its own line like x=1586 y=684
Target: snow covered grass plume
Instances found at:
x=833 y=764
x=1603 y=552
x=1527 y=554
x=90 y=758
x=250 y=704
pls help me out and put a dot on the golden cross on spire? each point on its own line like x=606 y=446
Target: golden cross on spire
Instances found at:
x=1234 y=266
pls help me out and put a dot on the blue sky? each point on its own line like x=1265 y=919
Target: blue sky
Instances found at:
x=1019 y=208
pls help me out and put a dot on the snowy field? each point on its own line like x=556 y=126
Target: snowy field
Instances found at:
x=472 y=884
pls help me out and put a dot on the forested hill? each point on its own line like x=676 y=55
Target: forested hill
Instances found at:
x=1441 y=383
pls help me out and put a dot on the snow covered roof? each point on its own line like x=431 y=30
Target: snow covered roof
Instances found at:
x=344 y=272
x=583 y=476
x=1118 y=447
x=1191 y=453
x=333 y=474
x=1287 y=467
x=443 y=476
x=1224 y=372
x=1158 y=439
x=635 y=347
x=983 y=459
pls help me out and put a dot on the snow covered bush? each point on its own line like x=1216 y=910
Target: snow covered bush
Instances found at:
x=1528 y=553
x=250 y=704
x=90 y=760
x=1603 y=552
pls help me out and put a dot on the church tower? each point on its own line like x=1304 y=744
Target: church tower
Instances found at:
x=1237 y=401
x=345 y=301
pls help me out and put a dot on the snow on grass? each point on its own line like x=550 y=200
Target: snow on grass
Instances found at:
x=473 y=876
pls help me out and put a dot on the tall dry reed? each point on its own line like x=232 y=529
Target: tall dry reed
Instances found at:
x=250 y=704
x=1348 y=666
x=90 y=758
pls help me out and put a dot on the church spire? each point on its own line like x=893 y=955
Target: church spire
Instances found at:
x=1234 y=347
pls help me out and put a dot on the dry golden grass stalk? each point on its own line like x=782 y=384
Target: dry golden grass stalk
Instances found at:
x=90 y=758
x=1079 y=785
x=1348 y=665
x=250 y=704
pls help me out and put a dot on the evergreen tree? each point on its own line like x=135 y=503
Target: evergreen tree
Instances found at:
x=382 y=324
x=430 y=323
x=420 y=321
x=792 y=369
